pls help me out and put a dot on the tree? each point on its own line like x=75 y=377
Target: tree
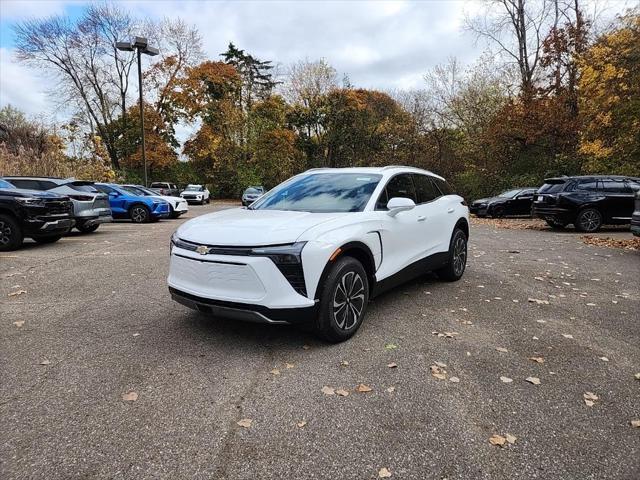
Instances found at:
x=609 y=89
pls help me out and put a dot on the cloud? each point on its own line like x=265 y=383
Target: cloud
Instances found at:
x=24 y=9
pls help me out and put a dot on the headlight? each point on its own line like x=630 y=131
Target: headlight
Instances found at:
x=172 y=243
x=29 y=200
x=281 y=254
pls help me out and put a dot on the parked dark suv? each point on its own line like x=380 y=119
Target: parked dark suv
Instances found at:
x=587 y=202
x=43 y=216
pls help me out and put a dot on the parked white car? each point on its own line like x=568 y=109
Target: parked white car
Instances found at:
x=317 y=247
x=178 y=205
x=196 y=194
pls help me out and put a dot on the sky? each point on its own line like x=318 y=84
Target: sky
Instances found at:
x=378 y=44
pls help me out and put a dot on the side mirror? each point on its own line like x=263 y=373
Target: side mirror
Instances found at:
x=399 y=204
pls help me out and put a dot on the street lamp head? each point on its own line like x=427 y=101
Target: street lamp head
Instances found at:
x=151 y=51
x=140 y=42
x=124 y=46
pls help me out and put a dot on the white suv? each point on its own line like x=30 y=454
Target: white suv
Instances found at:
x=317 y=247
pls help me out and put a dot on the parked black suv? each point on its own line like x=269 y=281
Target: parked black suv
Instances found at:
x=635 y=218
x=587 y=202
x=43 y=216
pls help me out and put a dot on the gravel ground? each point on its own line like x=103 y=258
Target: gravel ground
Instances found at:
x=96 y=322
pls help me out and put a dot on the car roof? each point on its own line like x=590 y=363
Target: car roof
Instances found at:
x=588 y=177
x=388 y=170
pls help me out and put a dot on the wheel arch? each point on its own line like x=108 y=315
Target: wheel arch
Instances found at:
x=356 y=249
x=463 y=225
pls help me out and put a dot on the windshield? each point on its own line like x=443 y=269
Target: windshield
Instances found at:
x=509 y=193
x=5 y=184
x=321 y=193
x=134 y=190
x=552 y=186
x=252 y=191
x=193 y=188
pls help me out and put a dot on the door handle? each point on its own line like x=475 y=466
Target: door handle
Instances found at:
x=422 y=218
x=451 y=210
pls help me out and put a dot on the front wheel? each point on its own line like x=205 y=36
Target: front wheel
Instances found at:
x=10 y=234
x=457 y=262
x=84 y=228
x=588 y=220
x=139 y=214
x=48 y=239
x=497 y=212
x=343 y=302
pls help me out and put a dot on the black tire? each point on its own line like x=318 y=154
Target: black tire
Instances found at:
x=173 y=213
x=337 y=324
x=497 y=212
x=457 y=261
x=208 y=200
x=139 y=214
x=588 y=220
x=556 y=225
x=10 y=234
x=84 y=228
x=48 y=239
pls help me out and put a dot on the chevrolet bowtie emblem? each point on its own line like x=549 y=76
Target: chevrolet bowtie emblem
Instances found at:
x=202 y=250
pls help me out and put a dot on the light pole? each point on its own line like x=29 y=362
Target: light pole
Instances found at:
x=140 y=45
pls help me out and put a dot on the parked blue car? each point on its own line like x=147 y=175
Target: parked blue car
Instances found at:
x=139 y=209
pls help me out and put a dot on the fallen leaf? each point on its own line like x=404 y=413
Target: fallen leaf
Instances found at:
x=301 y=423
x=454 y=380
x=275 y=371
x=511 y=438
x=19 y=323
x=384 y=473
x=245 y=422
x=362 y=388
x=391 y=346
x=590 y=396
x=604 y=359
x=533 y=380
x=506 y=379
x=541 y=321
x=497 y=440
x=392 y=365
x=537 y=359
x=17 y=292
x=567 y=335
x=501 y=350
x=637 y=375
x=289 y=365
x=538 y=301
x=342 y=392
x=130 y=397
x=391 y=389
x=306 y=347
x=635 y=423
x=440 y=364
x=136 y=334
x=344 y=363
x=45 y=362
x=328 y=391
x=589 y=403
x=438 y=372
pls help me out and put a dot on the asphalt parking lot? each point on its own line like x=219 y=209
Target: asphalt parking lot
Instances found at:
x=95 y=325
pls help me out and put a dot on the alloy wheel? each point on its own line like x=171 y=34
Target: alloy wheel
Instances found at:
x=348 y=300
x=590 y=220
x=5 y=233
x=459 y=255
x=138 y=214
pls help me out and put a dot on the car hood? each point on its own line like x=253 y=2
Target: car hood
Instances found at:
x=167 y=198
x=243 y=227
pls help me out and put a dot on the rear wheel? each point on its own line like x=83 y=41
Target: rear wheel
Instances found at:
x=139 y=214
x=343 y=302
x=457 y=262
x=555 y=223
x=84 y=228
x=48 y=238
x=588 y=220
x=10 y=234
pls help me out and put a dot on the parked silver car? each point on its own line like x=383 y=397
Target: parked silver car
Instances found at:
x=251 y=194
x=90 y=207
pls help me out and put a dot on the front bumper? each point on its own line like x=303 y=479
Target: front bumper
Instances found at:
x=161 y=210
x=48 y=226
x=193 y=199
x=478 y=209
x=243 y=311
x=182 y=207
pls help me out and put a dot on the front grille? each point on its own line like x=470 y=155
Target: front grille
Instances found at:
x=58 y=206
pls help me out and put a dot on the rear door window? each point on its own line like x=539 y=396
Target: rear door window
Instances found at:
x=592 y=185
x=426 y=190
x=444 y=187
x=26 y=183
x=552 y=187
x=82 y=187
